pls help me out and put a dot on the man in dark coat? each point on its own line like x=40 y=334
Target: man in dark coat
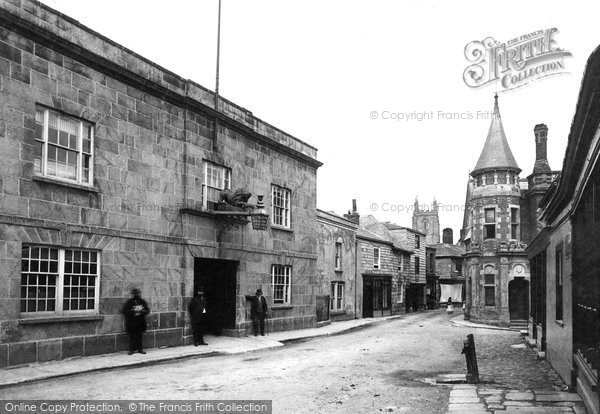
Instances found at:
x=197 y=309
x=135 y=311
x=258 y=311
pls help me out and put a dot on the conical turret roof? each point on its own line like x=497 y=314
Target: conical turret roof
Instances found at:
x=496 y=153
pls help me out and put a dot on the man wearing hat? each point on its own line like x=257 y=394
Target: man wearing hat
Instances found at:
x=135 y=311
x=197 y=309
x=258 y=311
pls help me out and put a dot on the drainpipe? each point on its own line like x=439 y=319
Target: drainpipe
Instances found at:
x=355 y=278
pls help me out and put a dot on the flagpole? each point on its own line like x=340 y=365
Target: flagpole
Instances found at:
x=216 y=126
x=218 y=58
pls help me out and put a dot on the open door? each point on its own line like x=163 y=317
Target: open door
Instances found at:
x=219 y=279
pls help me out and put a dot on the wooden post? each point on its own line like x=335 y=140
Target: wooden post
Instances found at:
x=471 y=358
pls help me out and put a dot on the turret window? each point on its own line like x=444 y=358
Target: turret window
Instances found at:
x=514 y=223
x=489 y=228
x=502 y=177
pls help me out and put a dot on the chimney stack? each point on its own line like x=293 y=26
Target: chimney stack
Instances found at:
x=353 y=215
x=541 y=149
x=541 y=140
x=447 y=236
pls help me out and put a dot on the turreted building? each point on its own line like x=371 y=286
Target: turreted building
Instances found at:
x=495 y=259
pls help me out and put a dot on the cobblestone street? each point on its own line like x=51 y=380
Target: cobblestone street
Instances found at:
x=505 y=361
x=513 y=380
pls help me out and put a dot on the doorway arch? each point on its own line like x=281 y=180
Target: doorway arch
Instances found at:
x=518 y=299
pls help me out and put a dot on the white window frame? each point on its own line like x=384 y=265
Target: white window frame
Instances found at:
x=376 y=258
x=60 y=284
x=284 y=273
x=284 y=210
x=494 y=223
x=337 y=296
x=224 y=184
x=80 y=153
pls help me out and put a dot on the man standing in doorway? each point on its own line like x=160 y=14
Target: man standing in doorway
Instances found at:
x=197 y=309
x=258 y=311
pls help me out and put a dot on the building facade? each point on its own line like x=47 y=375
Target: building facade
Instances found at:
x=497 y=265
x=450 y=272
x=566 y=253
x=384 y=260
x=431 y=289
x=112 y=172
x=415 y=274
x=336 y=295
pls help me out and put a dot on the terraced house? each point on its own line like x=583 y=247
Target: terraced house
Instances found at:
x=114 y=174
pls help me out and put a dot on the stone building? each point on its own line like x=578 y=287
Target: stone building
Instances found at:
x=450 y=272
x=111 y=172
x=427 y=221
x=565 y=255
x=415 y=273
x=497 y=265
x=384 y=264
x=431 y=289
x=336 y=294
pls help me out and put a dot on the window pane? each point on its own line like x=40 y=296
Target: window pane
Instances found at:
x=490 y=296
x=490 y=215
x=36 y=290
x=63 y=139
x=52 y=135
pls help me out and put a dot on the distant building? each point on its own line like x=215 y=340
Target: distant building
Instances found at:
x=427 y=222
x=336 y=294
x=380 y=261
x=450 y=272
x=431 y=289
x=415 y=272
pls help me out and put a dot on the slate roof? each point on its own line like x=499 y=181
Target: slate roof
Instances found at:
x=370 y=227
x=448 y=250
x=496 y=152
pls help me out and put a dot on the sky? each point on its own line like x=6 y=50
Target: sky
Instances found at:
x=331 y=72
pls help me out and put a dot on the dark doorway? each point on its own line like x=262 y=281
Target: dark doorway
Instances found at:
x=322 y=308
x=377 y=296
x=367 y=298
x=218 y=277
x=518 y=299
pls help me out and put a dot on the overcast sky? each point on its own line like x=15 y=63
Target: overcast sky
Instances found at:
x=318 y=69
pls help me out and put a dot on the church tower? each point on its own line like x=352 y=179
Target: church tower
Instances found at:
x=427 y=221
x=497 y=265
